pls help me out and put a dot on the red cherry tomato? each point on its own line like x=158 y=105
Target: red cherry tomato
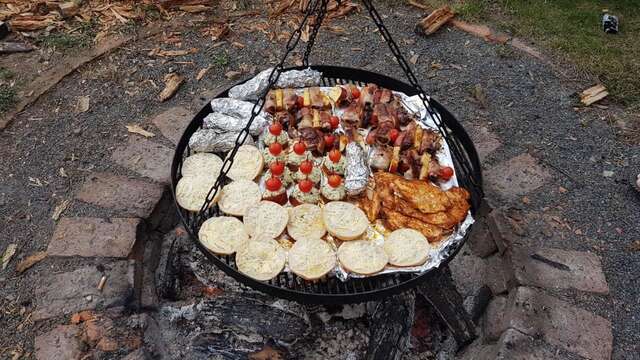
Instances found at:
x=277 y=168
x=374 y=119
x=300 y=102
x=335 y=155
x=305 y=185
x=275 y=129
x=355 y=92
x=334 y=180
x=299 y=148
x=446 y=173
x=329 y=140
x=306 y=167
x=334 y=121
x=275 y=149
x=393 y=135
x=273 y=184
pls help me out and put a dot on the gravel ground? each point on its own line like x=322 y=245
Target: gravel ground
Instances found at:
x=530 y=108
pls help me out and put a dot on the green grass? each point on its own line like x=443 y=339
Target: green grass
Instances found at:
x=572 y=28
x=81 y=37
x=221 y=59
x=5 y=74
x=7 y=98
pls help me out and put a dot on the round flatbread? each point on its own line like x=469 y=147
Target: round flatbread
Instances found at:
x=344 y=220
x=406 y=247
x=238 y=196
x=202 y=164
x=311 y=259
x=305 y=222
x=192 y=191
x=362 y=257
x=266 y=218
x=247 y=164
x=223 y=235
x=261 y=258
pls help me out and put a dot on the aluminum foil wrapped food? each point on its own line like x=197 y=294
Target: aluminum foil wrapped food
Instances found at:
x=207 y=140
x=251 y=89
x=357 y=171
x=223 y=123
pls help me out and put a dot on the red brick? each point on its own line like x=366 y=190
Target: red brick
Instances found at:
x=94 y=237
x=173 y=122
x=58 y=344
x=127 y=196
x=70 y=292
x=146 y=158
x=534 y=313
x=556 y=269
x=517 y=176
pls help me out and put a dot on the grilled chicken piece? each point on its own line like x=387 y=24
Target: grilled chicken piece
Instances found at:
x=422 y=195
x=397 y=220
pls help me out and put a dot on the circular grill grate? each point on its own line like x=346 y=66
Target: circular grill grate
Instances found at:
x=333 y=290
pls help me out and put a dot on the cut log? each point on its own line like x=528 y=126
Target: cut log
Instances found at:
x=440 y=292
x=593 y=94
x=30 y=23
x=435 y=20
x=172 y=82
x=68 y=9
x=390 y=323
x=14 y=47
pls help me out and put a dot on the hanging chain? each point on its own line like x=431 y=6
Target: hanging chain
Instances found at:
x=257 y=108
x=320 y=14
x=377 y=19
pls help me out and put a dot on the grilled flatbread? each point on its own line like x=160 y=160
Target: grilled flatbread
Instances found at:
x=238 y=196
x=266 y=218
x=406 y=247
x=305 y=222
x=362 y=257
x=261 y=258
x=223 y=235
x=202 y=164
x=192 y=191
x=344 y=220
x=311 y=259
x=247 y=164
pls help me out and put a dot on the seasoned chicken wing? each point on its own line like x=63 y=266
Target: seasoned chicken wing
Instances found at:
x=397 y=220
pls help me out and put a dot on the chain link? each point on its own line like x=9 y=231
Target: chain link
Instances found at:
x=320 y=14
x=257 y=108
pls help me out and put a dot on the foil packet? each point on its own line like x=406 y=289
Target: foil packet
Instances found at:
x=207 y=140
x=223 y=123
x=357 y=170
x=252 y=89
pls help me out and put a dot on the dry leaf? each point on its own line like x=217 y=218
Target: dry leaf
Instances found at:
x=480 y=96
x=202 y=73
x=30 y=261
x=82 y=104
x=62 y=172
x=436 y=66
x=167 y=53
x=238 y=45
x=172 y=82
x=60 y=209
x=194 y=8
x=216 y=31
x=414 y=59
x=137 y=129
x=8 y=254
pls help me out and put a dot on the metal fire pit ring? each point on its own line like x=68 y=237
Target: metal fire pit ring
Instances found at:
x=332 y=290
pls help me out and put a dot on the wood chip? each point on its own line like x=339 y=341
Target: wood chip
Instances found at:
x=418 y=5
x=593 y=94
x=435 y=20
x=137 y=129
x=202 y=73
x=194 y=8
x=233 y=75
x=82 y=104
x=8 y=254
x=60 y=209
x=172 y=82
x=414 y=59
x=103 y=280
x=30 y=260
x=31 y=23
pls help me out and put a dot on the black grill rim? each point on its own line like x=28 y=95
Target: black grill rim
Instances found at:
x=332 y=290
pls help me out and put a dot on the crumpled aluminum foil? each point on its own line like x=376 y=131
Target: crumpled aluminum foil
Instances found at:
x=357 y=170
x=251 y=89
x=207 y=140
x=222 y=123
